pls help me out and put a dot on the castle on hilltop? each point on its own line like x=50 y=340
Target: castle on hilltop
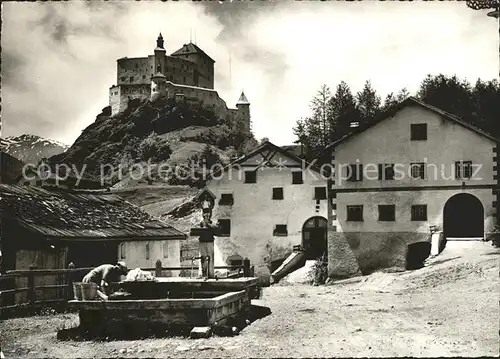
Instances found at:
x=185 y=75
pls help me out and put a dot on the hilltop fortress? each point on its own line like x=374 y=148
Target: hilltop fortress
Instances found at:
x=185 y=75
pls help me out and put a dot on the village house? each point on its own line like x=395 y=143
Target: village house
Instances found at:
x=265 y=203
x=414 y=169
x=49 y=228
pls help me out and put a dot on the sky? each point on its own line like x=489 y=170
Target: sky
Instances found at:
x=59 y=58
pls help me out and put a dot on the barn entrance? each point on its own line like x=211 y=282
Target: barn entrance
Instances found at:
x=463 y=217
x=314 y=237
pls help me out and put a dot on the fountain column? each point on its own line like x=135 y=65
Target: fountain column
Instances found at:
x=206 y=233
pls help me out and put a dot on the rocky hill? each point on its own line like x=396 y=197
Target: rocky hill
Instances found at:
x=153 y=142
x=11 y=169
x=30 y=149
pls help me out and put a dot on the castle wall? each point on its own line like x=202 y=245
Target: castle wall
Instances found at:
x=120 y=95
x=206 y=97
x=135 y=70
x=204 y=66
x=115 y=99
x=180 y=71
x=191 y=75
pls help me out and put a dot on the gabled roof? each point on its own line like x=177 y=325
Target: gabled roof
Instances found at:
x=408 y=102
x=294 y=149
x=60 y=214
x=191 y=48
x=263 y=147
x=242 y=100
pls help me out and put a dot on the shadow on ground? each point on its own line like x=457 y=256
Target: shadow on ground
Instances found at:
x=141 y=330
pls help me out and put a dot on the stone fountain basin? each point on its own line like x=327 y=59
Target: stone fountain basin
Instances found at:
x=178 y=287
x=191 y=312
x=170 y=302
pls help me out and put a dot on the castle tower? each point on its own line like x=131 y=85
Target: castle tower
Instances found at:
x=243 y=107
x=160 y=57
x=158 y=86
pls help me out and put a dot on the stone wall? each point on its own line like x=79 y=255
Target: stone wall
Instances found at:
x=134 y=70
x=204 y=67
x=352 y=253
x=180 y=71
x=177 y=70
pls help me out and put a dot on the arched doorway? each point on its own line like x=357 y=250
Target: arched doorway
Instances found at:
x=314 y=237
x=463 y=217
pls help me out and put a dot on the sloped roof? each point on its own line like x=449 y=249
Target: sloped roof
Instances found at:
x=263 y=147
x=191 y=48
x=159 y=74
x=56 y=213
x=407 y=102
x=243 y=100
x=295 y=149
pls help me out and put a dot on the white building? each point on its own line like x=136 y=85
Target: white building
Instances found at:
x=418 y=167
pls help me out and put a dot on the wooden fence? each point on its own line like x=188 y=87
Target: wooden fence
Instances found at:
x=64 y=291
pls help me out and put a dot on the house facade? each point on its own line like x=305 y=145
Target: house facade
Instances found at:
x=266 y=203
x=413 y=171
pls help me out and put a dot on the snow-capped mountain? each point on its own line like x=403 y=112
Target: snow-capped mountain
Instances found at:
x=30 y=148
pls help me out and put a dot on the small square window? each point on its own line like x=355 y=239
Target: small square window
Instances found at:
x=463 y=169
x=224 y=227
x=226 y=199
x=354 y=173
x=386 y=172
x=419 y=212
x=418 y=131
x=278 y=193
x=417 y=170
x=319 y=192
x=355 y=213
x=123 y=78
x=250 y=177
x=297 y=177
x=131 y=78
x=387 y=212
x=280 y=230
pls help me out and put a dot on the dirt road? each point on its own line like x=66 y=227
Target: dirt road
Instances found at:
x=448 y=308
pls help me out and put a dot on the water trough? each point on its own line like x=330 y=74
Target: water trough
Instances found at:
x=173 y=304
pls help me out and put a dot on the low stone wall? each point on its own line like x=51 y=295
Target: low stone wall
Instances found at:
x=354 y=253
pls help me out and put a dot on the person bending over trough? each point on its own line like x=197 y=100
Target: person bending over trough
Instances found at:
x=106 y=274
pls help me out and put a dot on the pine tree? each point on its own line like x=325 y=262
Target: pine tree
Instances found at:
x=403 y=94
x=344 y=111
x=368 y=103
x=449 y=94
x=321 y=113
x=389 y=102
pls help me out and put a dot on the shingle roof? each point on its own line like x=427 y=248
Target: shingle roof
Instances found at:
x=191 y=48
x=80 y=215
